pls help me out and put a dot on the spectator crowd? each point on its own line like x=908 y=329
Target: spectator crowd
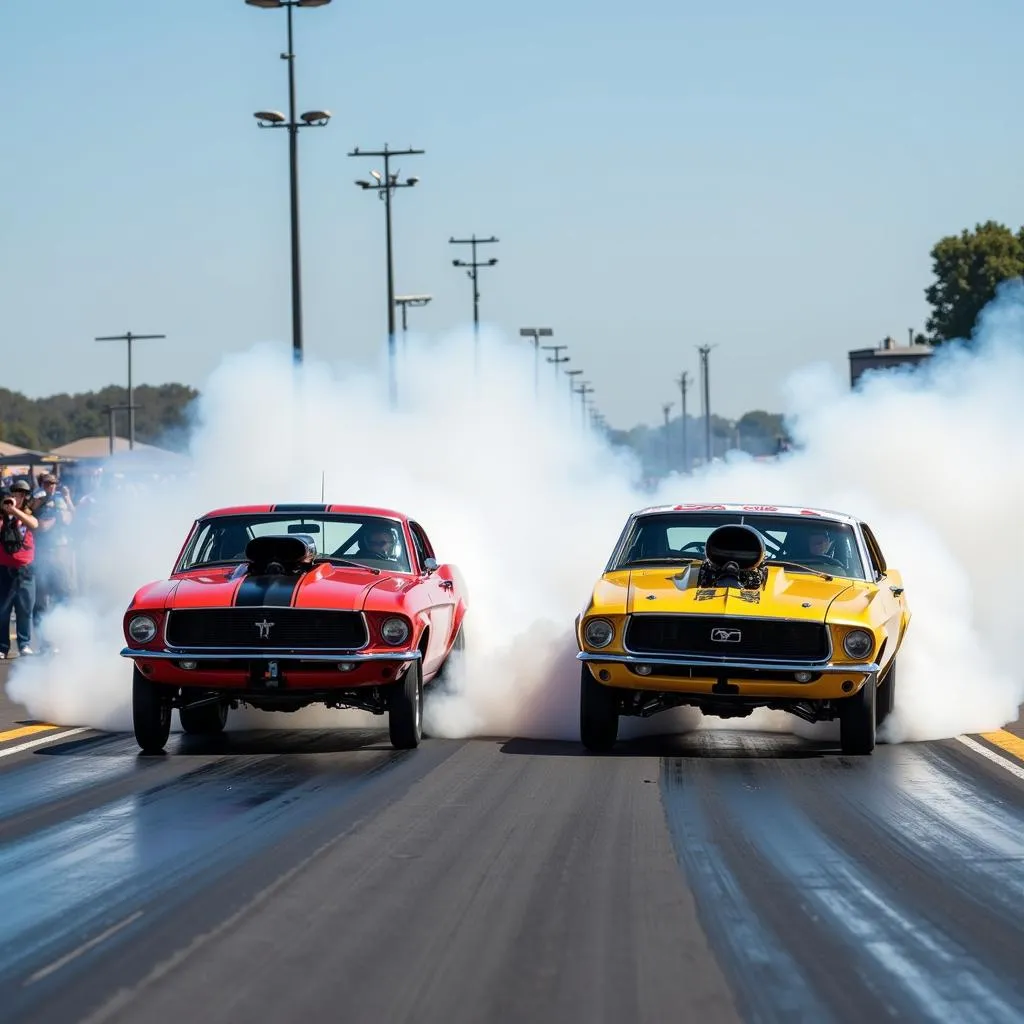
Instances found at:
x=37 y=564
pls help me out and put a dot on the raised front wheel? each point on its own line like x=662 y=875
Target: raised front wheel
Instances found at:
x=405 y=709
x=151 y=714
x=599 y=714
x=857 y=720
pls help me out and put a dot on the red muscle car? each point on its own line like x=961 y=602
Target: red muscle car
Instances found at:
x=282 y=606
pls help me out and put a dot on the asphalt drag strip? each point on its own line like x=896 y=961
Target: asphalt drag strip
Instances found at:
x=103 y=850
x=849 y=889
x=719 y=876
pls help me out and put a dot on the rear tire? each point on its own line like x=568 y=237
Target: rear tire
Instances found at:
x=405 y=709
x=885 y=699
x=857 y=720
x=599 y=714
x=151 y=714
x=205 y=720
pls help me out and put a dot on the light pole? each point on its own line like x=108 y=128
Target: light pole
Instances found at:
x=474 y=265
x=275 y=119
x=572 y=375
x=129 y=337
x=583 y=390
x=385 y=187
x=536 y=333
x=667 y=409
x=111 y=409
x=410 y=300
x=556 y=359
x=705 y=351
x=684 y=382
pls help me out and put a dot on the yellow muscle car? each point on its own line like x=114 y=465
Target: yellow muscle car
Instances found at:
x=728 y=608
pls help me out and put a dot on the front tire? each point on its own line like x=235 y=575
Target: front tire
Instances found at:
x=599 y=714
x=151 y=714
x=857 y=720
x=885 y=699
x=205 y=720
x=405 y=709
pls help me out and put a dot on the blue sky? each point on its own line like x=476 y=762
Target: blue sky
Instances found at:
x=766 y=178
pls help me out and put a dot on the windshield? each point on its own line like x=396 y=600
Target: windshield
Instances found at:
x=822 y=545
x=366 y=540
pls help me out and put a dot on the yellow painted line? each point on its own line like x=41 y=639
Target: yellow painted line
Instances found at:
x=56 y=736
x=25 y=730
x=1006 y=741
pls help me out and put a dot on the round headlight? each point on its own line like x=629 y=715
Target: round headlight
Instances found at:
x=598 y=632
x=142 y=629
x=394 y=631
x=858 y=643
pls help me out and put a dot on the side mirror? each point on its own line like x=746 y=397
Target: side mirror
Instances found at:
x=429 y=564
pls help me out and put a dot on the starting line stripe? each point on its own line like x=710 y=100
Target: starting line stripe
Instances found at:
x=25 y=730
x=51 y=738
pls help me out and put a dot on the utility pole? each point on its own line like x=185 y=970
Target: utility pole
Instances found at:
x=536 y=333
x=572 y=375
x=409 y=300
x=129 y=337
x=474 y=265
x=583 y=390
x=666 y=410
x=684 y=383
x=385 y=188
x=111 y=409
x=704 y=351
x=556 y=359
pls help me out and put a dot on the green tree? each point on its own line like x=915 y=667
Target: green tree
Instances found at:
x=968 y=267
x=161 y=418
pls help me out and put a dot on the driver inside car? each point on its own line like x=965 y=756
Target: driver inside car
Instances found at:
x=376 y=543
x=819 y=542
x=818 y=547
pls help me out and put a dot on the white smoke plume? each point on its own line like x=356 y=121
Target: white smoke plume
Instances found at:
x=528 y=505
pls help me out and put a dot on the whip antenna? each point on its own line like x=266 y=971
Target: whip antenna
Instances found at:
x=322 y=476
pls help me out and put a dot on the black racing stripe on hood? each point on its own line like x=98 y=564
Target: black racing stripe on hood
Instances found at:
x=273 y=591
x=298 y=508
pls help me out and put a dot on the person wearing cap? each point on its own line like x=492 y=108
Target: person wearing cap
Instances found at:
x=17 y=576
x=53 y=568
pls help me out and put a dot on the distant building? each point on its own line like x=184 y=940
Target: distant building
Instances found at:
x=886 y=356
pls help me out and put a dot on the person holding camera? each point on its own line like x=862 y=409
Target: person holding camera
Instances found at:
x=17 y=579
x=53 y=559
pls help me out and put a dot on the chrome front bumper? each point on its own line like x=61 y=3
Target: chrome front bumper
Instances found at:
x=246 y=654
x=734 y=667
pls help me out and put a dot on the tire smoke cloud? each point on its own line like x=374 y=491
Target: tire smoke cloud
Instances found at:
x=513 y=490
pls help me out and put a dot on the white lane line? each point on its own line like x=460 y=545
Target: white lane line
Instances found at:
x=49 y=738
x=1004 y=762
x=83 y=948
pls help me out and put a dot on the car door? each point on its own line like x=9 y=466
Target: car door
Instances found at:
x=440 y=593
x=890 y=591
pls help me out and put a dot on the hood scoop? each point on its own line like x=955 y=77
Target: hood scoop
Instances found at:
x=280 y=555
x=733 y=557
